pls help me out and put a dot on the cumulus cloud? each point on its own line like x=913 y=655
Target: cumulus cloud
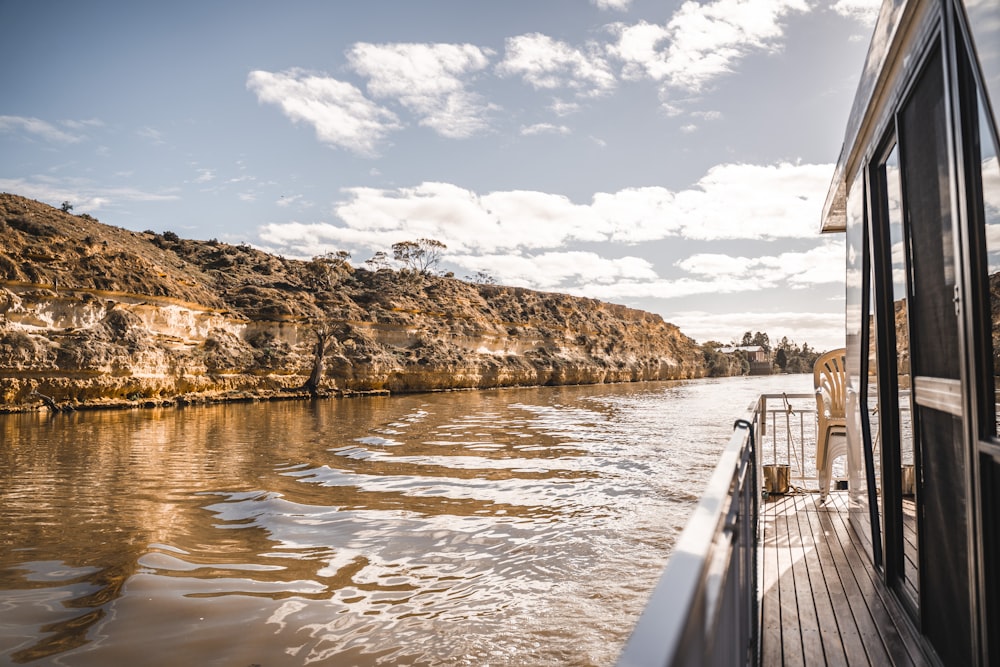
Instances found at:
x=548 y=64
x=701 y=42
x=430 y=80
x=564 y=271
x=340 y=113
x=822 y=330
x=734 y=201
x=38 y=128
x=821 y=265
x=731 y=201
x=544 y=241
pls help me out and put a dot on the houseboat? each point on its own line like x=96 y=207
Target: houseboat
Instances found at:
x=903 y=565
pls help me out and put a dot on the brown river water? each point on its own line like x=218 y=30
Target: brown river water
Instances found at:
x=511 y=527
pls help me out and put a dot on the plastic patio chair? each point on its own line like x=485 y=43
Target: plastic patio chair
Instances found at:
x=830 y=382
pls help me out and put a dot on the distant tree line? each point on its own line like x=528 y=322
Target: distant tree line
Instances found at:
x=786 y=357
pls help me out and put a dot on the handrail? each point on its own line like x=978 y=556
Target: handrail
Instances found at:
x=703 y=611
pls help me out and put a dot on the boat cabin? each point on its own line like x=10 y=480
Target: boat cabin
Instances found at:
x=901 y=564
x=917 y=193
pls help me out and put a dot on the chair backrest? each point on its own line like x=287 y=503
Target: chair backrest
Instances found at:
x=830 y=375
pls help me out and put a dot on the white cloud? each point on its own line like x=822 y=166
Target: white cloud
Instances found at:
x=467 y=221
x=702 y=42
x=84 y=196
x=569 y=271
x=429 y=80
x=822 y=330
x=734 y=201
x=82 y=124
x=618 y=5
x=823 y=264
x=544 y=128
x=341 y=115
x=563 y=108
x=707 y=115
x=729 y=202
x=712 y=274
x=864 y=11
x=546 y=63
x=37 y=127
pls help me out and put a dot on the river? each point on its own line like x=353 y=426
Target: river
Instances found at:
x=508 y=527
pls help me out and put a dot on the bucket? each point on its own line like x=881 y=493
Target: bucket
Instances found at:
x=909 y=480
x=776 y=478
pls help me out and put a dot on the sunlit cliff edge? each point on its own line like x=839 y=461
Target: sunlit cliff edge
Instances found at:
x=94 y=315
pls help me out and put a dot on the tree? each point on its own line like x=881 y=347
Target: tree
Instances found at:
x=66 y=207
x=762 y=340
x=482 y=278
x=323 y=335
x=781 y=358
x=747 y=338
x=325 y=270
x=378 y=261
x=420 y=256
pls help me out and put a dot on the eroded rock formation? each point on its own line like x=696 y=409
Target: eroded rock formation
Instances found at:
x=97 y=315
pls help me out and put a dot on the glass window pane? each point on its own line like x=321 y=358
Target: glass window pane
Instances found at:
x=901 y=308
x=990 y=173
x=927 y=201
x=984 y=23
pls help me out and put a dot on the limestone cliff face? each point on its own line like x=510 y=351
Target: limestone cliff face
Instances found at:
x=91 y=314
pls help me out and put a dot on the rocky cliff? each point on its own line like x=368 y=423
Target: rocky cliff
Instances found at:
x=96 y=315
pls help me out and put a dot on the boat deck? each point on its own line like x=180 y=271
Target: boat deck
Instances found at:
x=822 y=601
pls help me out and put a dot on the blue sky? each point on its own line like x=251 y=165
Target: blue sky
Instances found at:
x=670 y=156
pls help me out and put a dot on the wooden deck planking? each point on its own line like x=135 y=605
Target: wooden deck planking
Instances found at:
x=822 y=603
x=792 y=650
x=771 y=604
x=804 y=597
x=831 y=625
x=856 y=627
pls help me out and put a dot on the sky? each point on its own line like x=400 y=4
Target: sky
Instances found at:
x=670 y=156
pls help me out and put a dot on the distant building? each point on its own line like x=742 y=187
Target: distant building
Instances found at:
x=759 y=358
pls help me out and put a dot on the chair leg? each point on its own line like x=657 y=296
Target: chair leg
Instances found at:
x=823 y=471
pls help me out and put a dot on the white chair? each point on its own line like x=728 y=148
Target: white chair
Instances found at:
x=830 y=382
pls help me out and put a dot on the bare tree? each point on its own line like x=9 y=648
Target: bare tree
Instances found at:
x=482 y=278
x=378 y=261
x=325 y=271
x=323 y=333
x=420 y=256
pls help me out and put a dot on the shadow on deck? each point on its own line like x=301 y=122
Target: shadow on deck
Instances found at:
x=822 y=602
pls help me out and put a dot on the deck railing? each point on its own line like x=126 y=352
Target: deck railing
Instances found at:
x=787 y=436
x=703 y=611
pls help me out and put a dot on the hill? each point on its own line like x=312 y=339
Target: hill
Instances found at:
x=97 y=315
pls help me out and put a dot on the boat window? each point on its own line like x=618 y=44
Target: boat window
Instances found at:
x=862 y=471
x=984 y=24
x=928 y=198
x=990 y=173
x=874 y=423
x=936 y=407
x=901 y=308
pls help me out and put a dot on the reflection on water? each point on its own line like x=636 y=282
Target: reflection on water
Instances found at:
x=503 y=527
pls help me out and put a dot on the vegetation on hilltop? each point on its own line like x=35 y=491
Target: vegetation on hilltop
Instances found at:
x=95 y=310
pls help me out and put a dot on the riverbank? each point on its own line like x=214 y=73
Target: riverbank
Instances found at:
x=93 y=315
